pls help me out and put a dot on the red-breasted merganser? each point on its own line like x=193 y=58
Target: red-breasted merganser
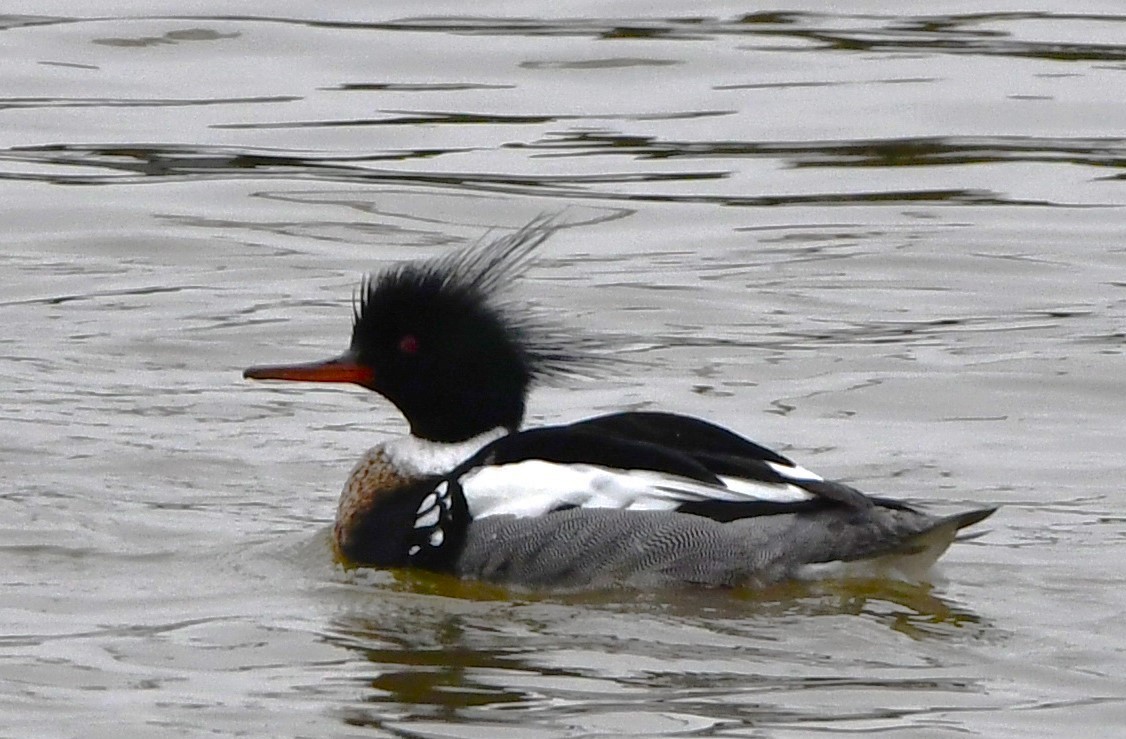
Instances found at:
x=640 y=498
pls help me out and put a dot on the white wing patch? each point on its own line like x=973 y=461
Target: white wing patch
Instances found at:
x=535 y=487
x=794 y=472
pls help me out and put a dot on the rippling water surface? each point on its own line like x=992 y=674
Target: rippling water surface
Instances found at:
x=891 y=245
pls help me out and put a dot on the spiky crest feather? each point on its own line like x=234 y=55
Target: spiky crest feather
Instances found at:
x=479 y=278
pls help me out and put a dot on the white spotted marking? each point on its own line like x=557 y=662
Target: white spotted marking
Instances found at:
x=436 y=538
x=428 y=502
x=427 y=519
x=414 y=550
x=443 y=488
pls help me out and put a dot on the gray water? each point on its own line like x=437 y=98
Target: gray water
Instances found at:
x=889 y=245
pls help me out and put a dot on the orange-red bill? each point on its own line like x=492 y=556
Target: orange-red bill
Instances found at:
x=344 y=368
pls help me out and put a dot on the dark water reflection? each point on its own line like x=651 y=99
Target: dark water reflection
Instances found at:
x=136 y=164
x=919 y=291
x=441 y=662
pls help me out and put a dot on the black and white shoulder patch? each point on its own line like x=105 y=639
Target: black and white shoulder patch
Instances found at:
x=439 y=526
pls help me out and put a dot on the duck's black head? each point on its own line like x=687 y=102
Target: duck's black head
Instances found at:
x=437 y=339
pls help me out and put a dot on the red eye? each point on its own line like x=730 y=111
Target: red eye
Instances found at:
x=408 y=344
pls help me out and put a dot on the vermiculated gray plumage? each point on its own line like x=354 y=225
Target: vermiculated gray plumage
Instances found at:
x=584 y=547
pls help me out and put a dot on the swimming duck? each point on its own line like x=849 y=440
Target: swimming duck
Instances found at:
x=635 y=498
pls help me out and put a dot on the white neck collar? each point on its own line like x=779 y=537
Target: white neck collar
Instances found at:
x=420 y=457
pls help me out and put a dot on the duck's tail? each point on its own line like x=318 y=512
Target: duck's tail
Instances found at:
x=909 y=559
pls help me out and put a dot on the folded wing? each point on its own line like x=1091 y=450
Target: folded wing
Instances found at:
x=641 y=461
